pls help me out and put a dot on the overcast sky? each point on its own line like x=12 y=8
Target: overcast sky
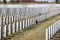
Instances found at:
x=38 y=0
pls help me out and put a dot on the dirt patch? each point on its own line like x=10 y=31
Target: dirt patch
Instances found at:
x=38 y=32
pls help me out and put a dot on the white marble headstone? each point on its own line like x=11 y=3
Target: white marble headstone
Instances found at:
x=20 y=25
x=0 y=32
x=47 y=37
x=23 y=24
x=0 y=20
x=13 y=27
x=4 y=31
x=9 y=29
x=17 y=26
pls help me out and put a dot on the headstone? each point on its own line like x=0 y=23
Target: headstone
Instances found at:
x=38 y=18
x=0 y=32
x=34 y=20
x=3 y=20
x=6 y=20
x=12 y=19
x=4 y=31
x=9 y=29
x=26 y=23
x=17 y=26
x=13 y=29
x=47 y=36
x=49 y=33
x=23 y=24
x=20 y=25
x=31 y=21
x=0 y=21
x=53 y=29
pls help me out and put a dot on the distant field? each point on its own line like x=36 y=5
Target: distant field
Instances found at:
x=28 y=3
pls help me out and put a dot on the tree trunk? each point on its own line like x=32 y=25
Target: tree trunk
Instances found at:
x=4 y=1
x=57 y=1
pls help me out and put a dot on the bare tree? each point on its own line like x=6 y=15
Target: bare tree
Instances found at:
x=56 y=1
x=12 y=1
x=4 y=1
